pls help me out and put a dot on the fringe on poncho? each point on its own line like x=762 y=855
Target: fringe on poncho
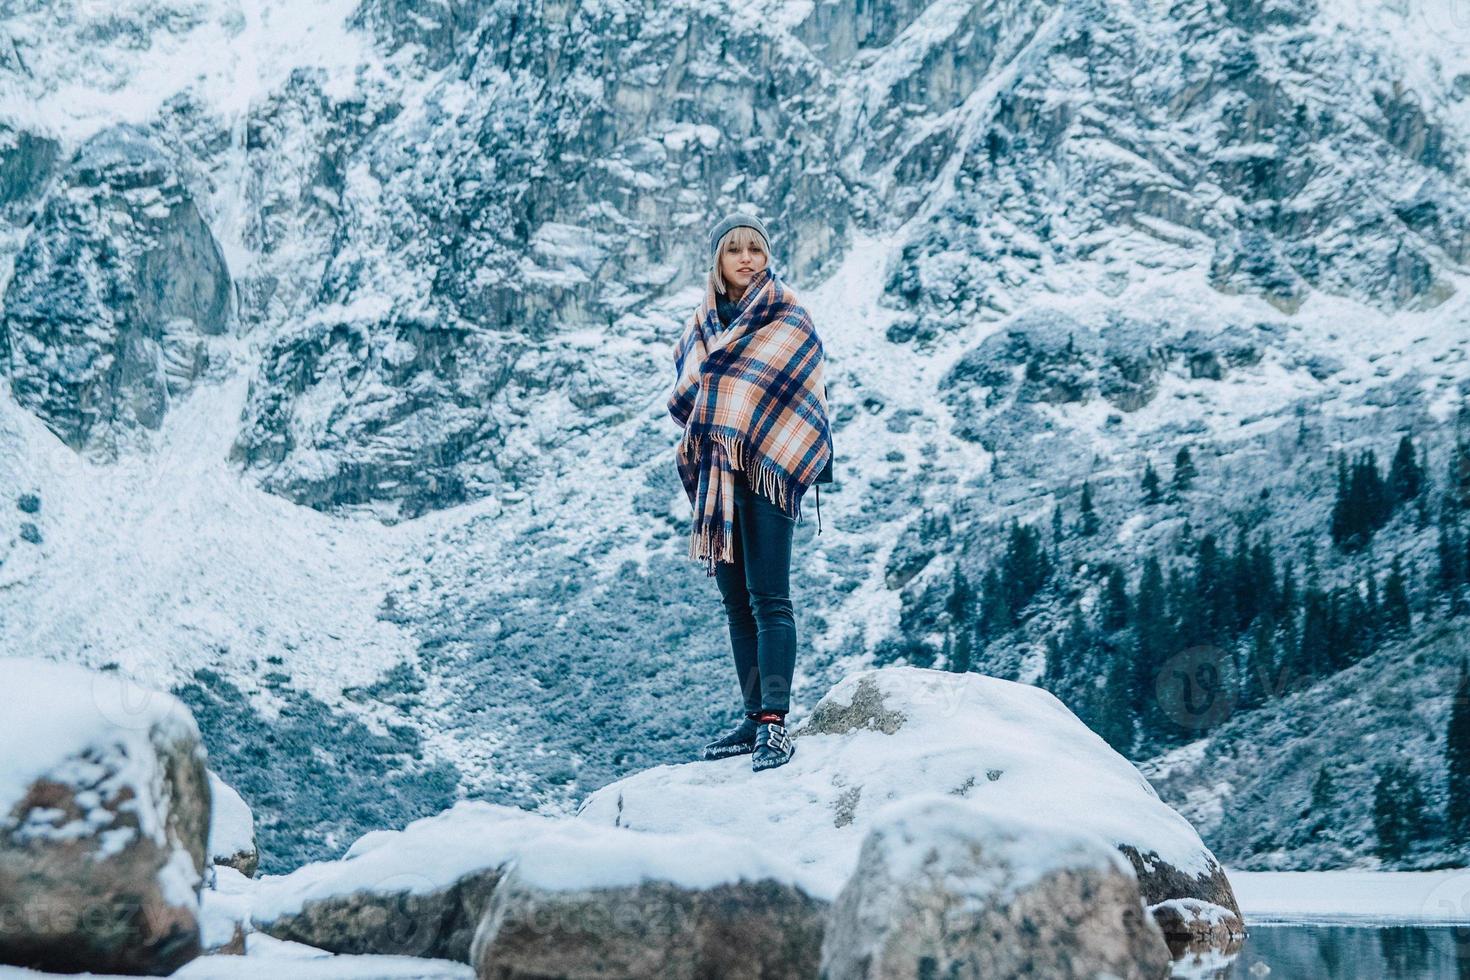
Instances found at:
x=751 y=398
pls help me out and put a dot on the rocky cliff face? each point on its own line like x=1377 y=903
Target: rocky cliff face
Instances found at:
x=416 y=244
x=114 y=295
x=442 y=251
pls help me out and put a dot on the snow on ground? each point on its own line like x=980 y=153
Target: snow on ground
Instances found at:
x=1360 y=897
x=168 y=561
x=93 y=63
x=267 y=956
x=427 y=855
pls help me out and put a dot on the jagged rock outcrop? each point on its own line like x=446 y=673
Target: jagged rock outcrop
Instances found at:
x=104 y=819
x=115 y=295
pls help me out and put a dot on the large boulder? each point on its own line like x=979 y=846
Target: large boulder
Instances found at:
x=585 y=901
x=104 y=818
x=881 y=735
x=947 y=887
x=420 y=891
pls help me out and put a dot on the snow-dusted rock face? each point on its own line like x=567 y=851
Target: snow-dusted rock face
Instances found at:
x=880 y=735
x=231 y=829
x=1245 y=134
x=115 y=294
x=104 y=818
x=949 y=887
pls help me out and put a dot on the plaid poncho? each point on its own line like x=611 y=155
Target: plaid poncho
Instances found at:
x=751 y=397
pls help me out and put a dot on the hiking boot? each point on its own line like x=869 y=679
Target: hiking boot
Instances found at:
x=773 y=747
x=738 y=741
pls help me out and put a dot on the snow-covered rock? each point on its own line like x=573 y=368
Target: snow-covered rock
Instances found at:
x=418 y=891
x=231 y=829
x=681 y=852
x=951 y=887
x=880 y=735
x=582 y=901
x=104 y=819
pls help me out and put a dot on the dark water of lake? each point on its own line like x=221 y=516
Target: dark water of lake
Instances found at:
x=1353 y=952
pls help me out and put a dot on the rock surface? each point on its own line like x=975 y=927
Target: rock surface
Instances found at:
x=104 y=819
x=880 y=735
x=950 y=888
x=585 y=901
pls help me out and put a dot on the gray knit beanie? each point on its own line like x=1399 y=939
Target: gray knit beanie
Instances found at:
x=736 y=220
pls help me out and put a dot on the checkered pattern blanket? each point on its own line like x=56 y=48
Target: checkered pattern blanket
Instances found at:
x=751 y=398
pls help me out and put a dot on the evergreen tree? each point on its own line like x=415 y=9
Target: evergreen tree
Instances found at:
x=1241 y=593
x=960 y=600
x=1264 y=590
x=1056 y=525
x=996 y=615
x=1450 y=575
x=1457 y=758
x=1087 y=515
x=1395 y=615
x=959 y=605
x=1398 y=810
x=1258 y=679
x=1285 y=611
x=964 y=650
x=1051 y=672
x=1151 y=642
x=1363 y=505
x=1184 y=471
x=1324 y=789
x=1114 y=614
x=1405 y=478
x=1210 y=591
x=1115 y=715
x=1314 y=652
x=1025 y=567
x=1457 y=479
x=1151 y=493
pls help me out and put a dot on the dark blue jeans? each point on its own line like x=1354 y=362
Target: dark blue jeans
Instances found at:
x=756 y=590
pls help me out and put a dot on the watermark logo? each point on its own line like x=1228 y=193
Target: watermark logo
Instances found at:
x=1198 y=688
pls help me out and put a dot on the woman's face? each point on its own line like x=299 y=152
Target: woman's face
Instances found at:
x=738 y=264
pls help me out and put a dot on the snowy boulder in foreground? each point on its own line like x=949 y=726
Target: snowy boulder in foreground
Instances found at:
x=948 y=887
x=881 y=735
x=586 y=901
x=420 y=891
x=104 y=817
x=231 y=829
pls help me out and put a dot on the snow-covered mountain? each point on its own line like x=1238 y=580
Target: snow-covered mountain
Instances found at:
x=337 y=338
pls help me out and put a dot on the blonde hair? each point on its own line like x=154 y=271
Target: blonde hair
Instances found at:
x=739 y=236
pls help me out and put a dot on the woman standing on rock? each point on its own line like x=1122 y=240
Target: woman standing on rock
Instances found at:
x=751 y=397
